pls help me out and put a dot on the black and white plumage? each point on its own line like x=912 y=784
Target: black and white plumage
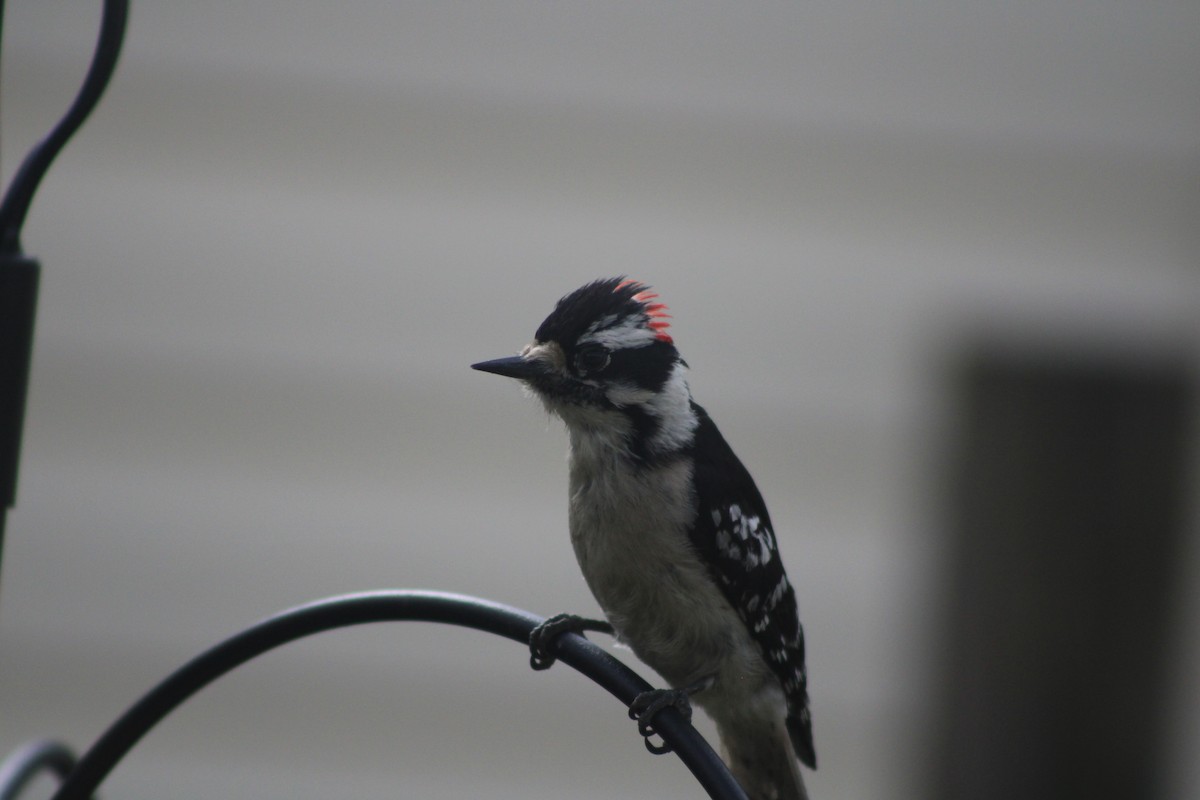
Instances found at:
x=671 y=533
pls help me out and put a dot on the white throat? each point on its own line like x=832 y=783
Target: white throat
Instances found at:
x=602 y=433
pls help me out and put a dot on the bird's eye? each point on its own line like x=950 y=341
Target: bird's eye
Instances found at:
x=591 y=358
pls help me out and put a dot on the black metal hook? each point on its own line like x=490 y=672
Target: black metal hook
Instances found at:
x=19 y=769
x=19 y=195
x=383 y=606
x=19 y=274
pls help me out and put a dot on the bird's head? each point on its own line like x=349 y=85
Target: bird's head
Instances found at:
x=604 y=362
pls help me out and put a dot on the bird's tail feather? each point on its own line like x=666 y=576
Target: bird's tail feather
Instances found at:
x=800 y=728
x=762 y=759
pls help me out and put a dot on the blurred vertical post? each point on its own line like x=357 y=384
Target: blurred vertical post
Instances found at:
x=18 y=302
x=1068 y=499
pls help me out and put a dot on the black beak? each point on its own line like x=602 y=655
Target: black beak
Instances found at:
x=513 y=367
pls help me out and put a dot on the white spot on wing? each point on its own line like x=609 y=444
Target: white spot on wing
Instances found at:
x=725 y=545
x=750 y=529
x=777 y=593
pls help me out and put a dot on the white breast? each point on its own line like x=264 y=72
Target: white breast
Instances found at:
x=629 y=530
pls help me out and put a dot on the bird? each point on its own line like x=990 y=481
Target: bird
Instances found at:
x=671 y=533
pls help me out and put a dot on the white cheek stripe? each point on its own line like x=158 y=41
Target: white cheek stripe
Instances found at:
x=672 y=405
x=626 y=394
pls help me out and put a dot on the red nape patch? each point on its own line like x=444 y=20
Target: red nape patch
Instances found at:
x=655 y=312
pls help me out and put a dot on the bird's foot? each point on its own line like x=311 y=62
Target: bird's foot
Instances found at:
x=542 y=638
x=647 y=704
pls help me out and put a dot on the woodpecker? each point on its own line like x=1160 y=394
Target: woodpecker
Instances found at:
x=671 y=532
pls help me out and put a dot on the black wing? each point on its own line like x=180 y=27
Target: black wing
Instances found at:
x=733 y=535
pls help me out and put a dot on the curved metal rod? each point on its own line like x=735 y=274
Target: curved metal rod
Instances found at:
x=20 y=192
x=357 y=609
x=30 y=761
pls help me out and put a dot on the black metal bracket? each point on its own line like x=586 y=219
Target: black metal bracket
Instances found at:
x=30 y=761
x=20 y=192
x=83 y=779
x=19 y=273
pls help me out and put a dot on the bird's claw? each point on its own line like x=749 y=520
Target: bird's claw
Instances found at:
x=647 y=704
x=542 y=637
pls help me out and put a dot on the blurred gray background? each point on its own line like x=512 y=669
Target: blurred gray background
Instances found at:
x=289 y=227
